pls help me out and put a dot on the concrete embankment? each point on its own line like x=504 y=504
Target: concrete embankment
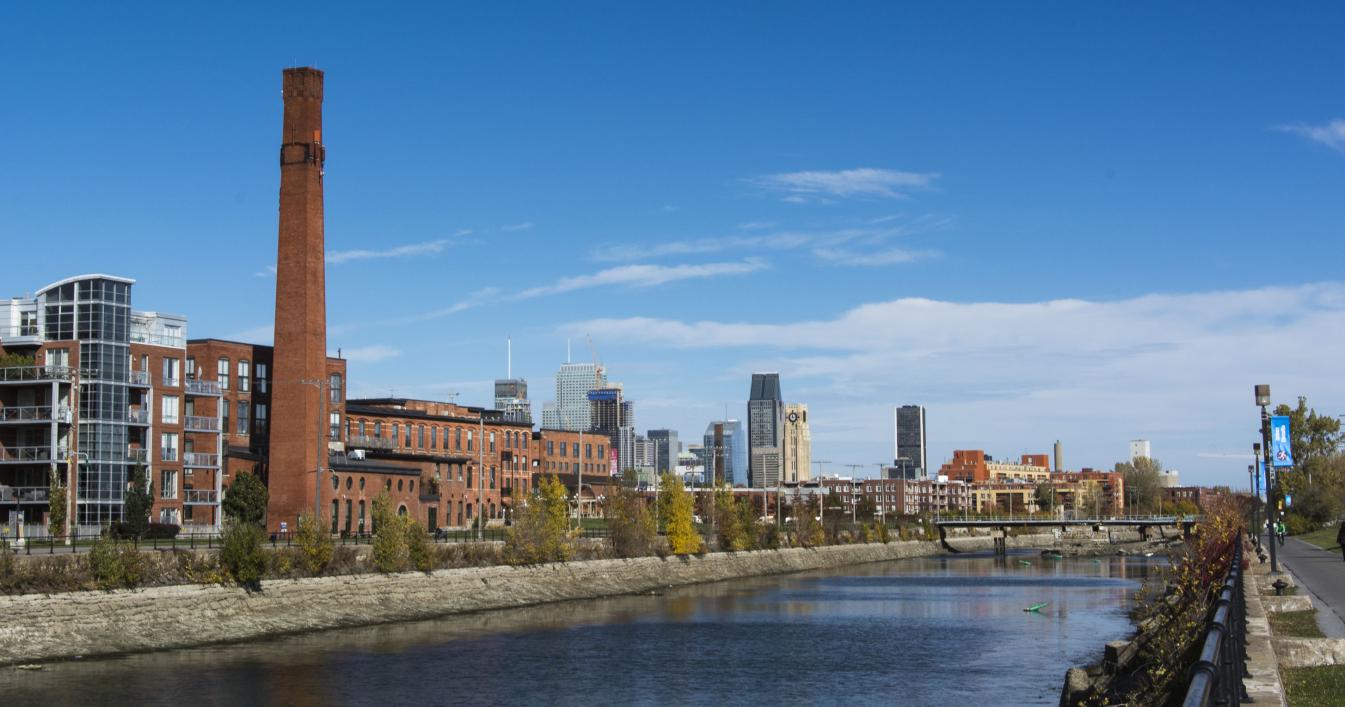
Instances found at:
x=61 y=626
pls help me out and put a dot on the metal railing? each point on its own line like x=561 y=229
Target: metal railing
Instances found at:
x=36 y=373
x=367 y=442
x=23 y=494
x=1216 y=678
x=198 y=423
x=200 y=460
x=167 y=454
x=202 y=387
x=137 y=455
x=140 y=378
x=137 y=416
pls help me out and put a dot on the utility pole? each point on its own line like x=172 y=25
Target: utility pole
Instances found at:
x=1272 y=487
x=854 y=504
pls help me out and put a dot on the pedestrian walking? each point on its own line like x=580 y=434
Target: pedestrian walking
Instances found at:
x=1340 y=539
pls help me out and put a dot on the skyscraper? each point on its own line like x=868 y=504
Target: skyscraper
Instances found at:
x=765 y=423
x=724 y=452
x=611 y=415
x=511 y=394
x=297 y=447
x=798 y=456
x=666 y=448
x=571 y=410
x=909 y=440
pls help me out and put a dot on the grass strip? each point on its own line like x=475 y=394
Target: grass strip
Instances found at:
x=1322 y=686
x=1295 y=624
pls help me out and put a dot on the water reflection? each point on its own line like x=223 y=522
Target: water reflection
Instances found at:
x=930 y=631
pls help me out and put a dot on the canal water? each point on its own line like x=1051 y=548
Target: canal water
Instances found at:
x=934 y=631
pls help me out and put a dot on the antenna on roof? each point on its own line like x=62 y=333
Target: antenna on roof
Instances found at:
x=509 y=357
x=567 y=349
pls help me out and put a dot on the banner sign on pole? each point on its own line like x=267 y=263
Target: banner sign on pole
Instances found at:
x=1280 y=452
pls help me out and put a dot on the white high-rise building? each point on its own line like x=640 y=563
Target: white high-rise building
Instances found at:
x=1139 y=448
x=571 y=408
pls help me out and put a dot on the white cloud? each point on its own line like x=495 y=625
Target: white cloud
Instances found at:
x=471 y=301
x=268 y=271
x=256 y=335
x=370 y=354
x=643 y=276
x=518 y=226
x=1331 y=134
x=1013 y=377
x=337 y=257
x=862 y=183
x=889 y=256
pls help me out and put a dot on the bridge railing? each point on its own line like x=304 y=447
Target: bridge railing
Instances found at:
x=1049 y=520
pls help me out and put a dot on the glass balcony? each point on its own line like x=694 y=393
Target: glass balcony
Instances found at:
x=198 y=423
x=34 y=374
x=201 y=461
x=200 y=387
x=139 y=379
x=23 y=455
x=137 y=416
x=137 y=455
x=197 y=497
x=27 y=414
x=23 y=494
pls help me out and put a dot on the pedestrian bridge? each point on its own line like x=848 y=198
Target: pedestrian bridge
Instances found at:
x=1141 y=523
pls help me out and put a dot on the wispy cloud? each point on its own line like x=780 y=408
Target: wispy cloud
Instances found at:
x=861 y=183
x=1331 y=134
x=825 y=243
x=471 y=301
x=518 y=226
x=268 y=271
x=370 y=354
x=256 y=335
x=878 y=258
x=336 y=257
x=643 y=276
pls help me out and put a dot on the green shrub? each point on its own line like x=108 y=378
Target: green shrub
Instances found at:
x=115 y=564
x=418 y=550
x=315 y=544
x=389 y=547
x=630 y=525
x=242 y=555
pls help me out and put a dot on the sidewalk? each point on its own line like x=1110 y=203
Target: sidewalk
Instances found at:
x=1322 y=575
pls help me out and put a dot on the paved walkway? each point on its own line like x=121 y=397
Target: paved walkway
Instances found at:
x=1322 y=574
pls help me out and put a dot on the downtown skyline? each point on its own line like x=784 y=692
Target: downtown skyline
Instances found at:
x=1025 y=274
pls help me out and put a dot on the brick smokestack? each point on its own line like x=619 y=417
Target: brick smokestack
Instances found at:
x=301 y=306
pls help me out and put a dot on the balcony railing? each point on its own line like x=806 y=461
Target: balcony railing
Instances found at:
x=35 y=413
x=366 y=442
x=140 y=378
x=201 y=387
x=137 y=416
x=199 y=460
x=198 y=423
x=10 y=374
x=23 y=494
x=31 y=454
x=137 y=455
x=170 y=382
x=198 y=496
x=168 y=455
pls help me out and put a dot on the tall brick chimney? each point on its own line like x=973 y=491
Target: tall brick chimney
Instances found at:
x=297 y=405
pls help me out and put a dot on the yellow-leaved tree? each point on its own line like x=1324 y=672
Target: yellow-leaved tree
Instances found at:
x=682 y=536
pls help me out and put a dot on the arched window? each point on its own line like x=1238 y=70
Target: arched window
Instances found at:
x=399 y=484
x=336 y=482
x=401 y=510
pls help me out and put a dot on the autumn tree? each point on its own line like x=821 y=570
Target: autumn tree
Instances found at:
x=540 y=532
x=630 y=524
x=1143 y=482
x=682 y=536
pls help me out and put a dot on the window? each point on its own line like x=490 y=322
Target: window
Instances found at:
x=222 y=372
x=244 y=375
x=378 y=429
x=469 y=477
x=243 y=417
x=261 y=388
x=492 y=477
x=575 y=448
x=550 y=448
x=396 y=433
x=168 y=484
x=170 y=372
x=259 y=419
x=600 y=456
x=191 y=368
x=588 y=451
x=408 y=435
x=457 y=438
x=469 y=440
x=399 y=484
x=434 y=437
x=169 y=405
x=564 y=449
x=361 y=428
x=420 y=436
x=334 y=387
x=334 y=426
x=492 y=442
x=168 y=447
x=224 y=416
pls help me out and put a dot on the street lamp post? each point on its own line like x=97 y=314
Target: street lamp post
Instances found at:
x=1263 y=401
x=1256 y=497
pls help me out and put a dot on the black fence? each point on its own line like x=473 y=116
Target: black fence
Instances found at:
x=1216 y=678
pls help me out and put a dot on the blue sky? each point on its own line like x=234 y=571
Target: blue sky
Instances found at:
x=1043 y=221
